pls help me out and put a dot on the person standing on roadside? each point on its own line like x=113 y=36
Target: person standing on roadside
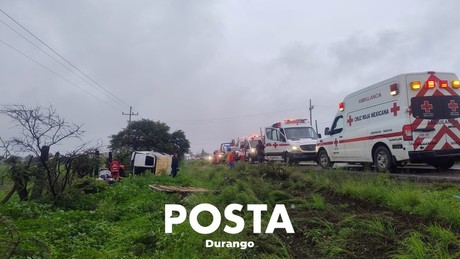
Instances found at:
x=231 y=159
x=174 y=165
x=115 y=169
x=260 y=148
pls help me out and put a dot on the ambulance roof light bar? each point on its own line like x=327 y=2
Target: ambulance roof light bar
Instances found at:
x=254 y=136
x=430 y=84
x=295 y=120
x=341 y=106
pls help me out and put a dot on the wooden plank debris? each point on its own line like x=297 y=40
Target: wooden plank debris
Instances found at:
x=180 y=189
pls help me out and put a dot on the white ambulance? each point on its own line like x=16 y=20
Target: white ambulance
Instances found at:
x=248 y=147
x=407 y=118
x=291 y=141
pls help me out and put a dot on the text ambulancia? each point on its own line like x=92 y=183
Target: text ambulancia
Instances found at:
x=407 y=118
x=291 y=141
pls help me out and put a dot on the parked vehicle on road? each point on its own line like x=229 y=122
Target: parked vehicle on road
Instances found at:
x=407 y=118
x=291 y=141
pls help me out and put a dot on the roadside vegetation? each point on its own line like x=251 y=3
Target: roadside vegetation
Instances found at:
x=335 y=215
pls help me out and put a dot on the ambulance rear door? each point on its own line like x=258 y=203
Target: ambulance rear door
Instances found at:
x=434 y=111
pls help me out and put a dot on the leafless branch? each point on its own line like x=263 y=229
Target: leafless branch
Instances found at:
x=40 y=127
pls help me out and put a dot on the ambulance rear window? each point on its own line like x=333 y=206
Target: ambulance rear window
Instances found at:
x=436 y=107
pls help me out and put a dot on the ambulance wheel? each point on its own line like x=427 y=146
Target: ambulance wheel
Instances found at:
x=323 y=159
x=443 y=165
x=382 y=159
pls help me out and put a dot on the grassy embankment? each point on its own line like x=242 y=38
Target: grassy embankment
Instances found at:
x=334 y=214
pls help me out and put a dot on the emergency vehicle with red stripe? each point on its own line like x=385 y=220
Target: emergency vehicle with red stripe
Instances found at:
x=291 y=141
x=248 y=147
x=408 y=118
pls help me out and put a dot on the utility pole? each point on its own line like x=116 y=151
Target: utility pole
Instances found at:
x=131 y=113
x=316 y=125
x=311 y=108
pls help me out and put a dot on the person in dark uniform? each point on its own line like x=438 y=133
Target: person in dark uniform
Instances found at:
x=174 y=165
x=260 y=148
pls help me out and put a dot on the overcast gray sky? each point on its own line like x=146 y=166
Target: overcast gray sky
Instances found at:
x=215 y=69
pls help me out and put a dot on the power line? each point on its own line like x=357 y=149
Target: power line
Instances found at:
x=68 y=62
x=55 y=73
x=46 y=53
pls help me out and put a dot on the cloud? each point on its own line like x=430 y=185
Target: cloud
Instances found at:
x=218 y=69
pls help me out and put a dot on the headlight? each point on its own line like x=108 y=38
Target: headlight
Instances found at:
x=253 y=150
x=295 y=148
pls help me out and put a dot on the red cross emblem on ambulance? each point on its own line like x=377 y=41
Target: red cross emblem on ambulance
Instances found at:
x=275 y=145
x=395 y=109
x=453 y=105
x=349 y=121
x=427 y=106
x=336 y=142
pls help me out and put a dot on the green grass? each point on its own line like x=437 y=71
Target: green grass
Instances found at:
x=126 y=220
x=318 y=202
x=335 y=215
x=432 y=201
x=435 y=242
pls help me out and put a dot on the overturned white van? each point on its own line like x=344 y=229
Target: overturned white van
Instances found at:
x=156 y=162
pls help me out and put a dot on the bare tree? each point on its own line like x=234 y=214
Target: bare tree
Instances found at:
x=42 y=128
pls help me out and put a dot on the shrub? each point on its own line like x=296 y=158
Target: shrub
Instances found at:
x=89 y=185
x=272 y=171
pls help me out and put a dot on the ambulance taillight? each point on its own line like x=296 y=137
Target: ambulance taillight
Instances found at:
x=443 y=84
x=394 y=89
x=415 y=85
x=341 y=107
x=456 y=84
x=407 y=132
x=430 y=84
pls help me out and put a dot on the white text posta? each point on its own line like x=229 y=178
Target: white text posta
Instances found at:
x=278 y=212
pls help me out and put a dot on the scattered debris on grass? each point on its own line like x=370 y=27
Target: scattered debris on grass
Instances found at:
x=180 y=189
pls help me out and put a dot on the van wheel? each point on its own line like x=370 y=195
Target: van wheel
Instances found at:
x=323 y=159
x=382 y=159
